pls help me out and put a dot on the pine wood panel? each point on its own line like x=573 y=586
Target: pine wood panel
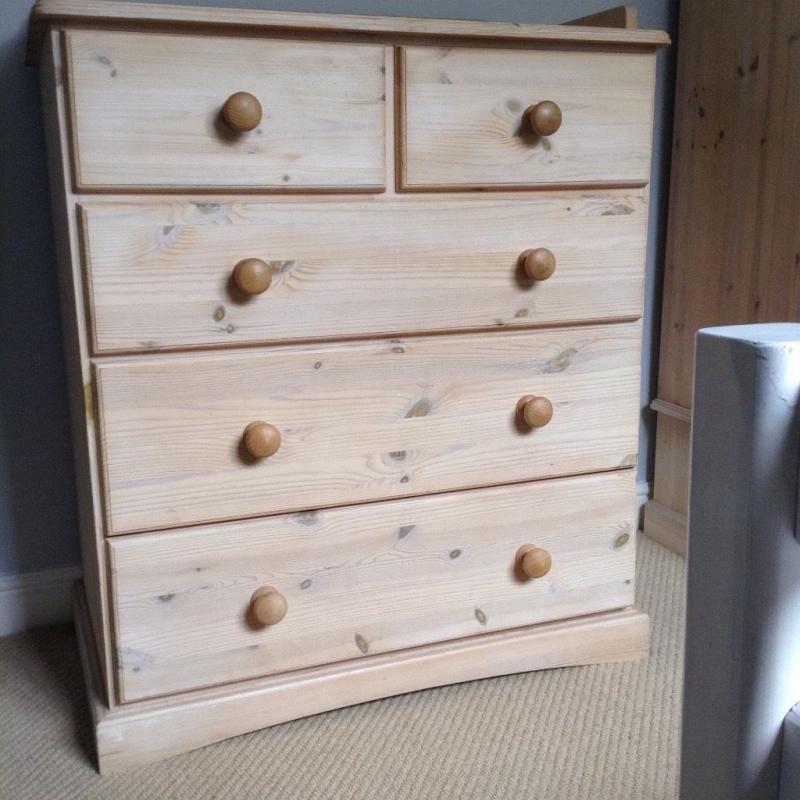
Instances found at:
x=733 y=239
x=145 y=112
x=76 y=348
x=148 y=730
x=404 y=421
x=360 y=421
x=734 y=218
x=159 y=274
x=461 y=110
x=365 y=580
x=671 y=485
x=665 y=526
x=267 y=22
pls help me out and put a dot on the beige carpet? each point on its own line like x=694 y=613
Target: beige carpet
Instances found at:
x=607 y=733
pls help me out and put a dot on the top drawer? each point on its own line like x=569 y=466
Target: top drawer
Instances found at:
x=147 y=113
x=462 y=116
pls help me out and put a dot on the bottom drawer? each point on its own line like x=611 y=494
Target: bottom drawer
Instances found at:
x=364 y=580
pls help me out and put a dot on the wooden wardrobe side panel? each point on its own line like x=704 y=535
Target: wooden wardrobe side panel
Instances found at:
x=733 y=239
x=81 y=391
x=734 y=217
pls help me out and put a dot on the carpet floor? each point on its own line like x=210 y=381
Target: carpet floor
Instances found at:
x=607 y=732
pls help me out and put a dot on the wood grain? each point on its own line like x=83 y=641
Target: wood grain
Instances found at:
x=666 y=526
x=149 y=730
x=426 y=424
x=733 y=238
x=666 y=515
x=461 y=112
x=146 y=113
x=158 y=273
x=365 y=580
x=671 y=410
x=76 y=349
x=361 y=421
x=734 y=205
x=249 y=22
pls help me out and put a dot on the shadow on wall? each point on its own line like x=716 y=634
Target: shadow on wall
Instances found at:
x=38 y=515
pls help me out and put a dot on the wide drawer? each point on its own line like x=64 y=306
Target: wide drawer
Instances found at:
x=463 y=117
x=359 y=421
x=161 y=275
x=146 y=112
x=365 y=580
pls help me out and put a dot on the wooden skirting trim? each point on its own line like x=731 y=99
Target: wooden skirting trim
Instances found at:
x=672 y=410
x=143 y=732
x=665 y=526
x=619 y=17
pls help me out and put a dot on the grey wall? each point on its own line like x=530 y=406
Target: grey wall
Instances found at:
x=38 y=525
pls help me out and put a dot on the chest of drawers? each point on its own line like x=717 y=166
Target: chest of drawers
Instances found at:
x=352 y=311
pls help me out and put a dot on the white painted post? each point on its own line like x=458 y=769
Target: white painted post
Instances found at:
x=790 y=758
x=743 y=612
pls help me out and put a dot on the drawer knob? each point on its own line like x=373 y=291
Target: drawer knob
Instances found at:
x=539 y=263
x=261 y=440
x=543 y=119
x=536 y=411
x=242 y=112
x=268 y=606
x=252 y=276
x=533 y=561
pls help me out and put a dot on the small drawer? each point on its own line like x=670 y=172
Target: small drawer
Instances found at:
x=167 y=275
x=205 y=438
x=472 y=119
x=219 y=604
x=155 y=111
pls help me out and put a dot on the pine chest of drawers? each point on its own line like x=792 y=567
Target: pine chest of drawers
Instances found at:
x=352 y=309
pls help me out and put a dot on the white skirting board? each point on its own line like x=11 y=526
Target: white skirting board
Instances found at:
x=34 y=599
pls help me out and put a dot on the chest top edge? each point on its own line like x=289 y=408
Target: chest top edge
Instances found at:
x=385 y=29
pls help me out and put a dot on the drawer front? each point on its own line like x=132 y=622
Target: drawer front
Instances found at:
x=359 y=421
x=365 y=580
x=163 y=275
x=463 y=117
x=147 y=112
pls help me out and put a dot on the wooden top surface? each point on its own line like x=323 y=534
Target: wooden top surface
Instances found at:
x=111 y=13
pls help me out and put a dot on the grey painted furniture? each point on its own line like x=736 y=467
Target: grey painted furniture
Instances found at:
x=743 y=618
x=790 y=760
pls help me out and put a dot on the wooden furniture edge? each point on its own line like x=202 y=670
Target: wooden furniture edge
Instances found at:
x=126 y=15
x=672 y=410
x=89 y=655
x=150 y=730
x=665 y=526
x=625 y=17
x=81 y=390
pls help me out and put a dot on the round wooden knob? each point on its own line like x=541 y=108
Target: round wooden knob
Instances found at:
x=261 y=440
x=533 y=561
x=539 y=263
x=252 y=275
x=536 y=411
x=242 y=112
x=543 y=118
x=268 y=606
